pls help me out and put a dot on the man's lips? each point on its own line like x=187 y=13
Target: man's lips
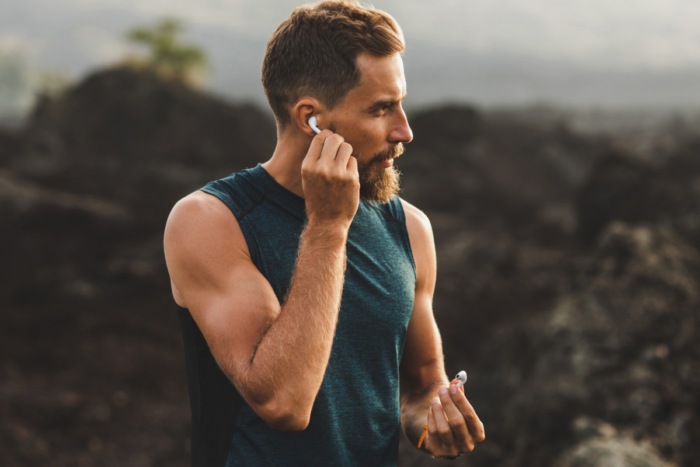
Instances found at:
x=388 y=156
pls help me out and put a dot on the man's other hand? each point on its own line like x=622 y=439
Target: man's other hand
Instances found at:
x=453 y=426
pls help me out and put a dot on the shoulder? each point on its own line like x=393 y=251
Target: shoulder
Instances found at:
x=417 y=223
x=196 y=208
x=420 y=234
x=198 y=221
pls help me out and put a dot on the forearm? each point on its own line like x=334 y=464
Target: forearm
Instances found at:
x=290 y=361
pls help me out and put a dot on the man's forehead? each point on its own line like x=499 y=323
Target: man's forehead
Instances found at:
x=382 y=78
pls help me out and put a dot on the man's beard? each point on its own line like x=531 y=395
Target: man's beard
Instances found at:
x=379 y=183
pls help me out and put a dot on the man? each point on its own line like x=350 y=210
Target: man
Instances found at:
x=305 y=285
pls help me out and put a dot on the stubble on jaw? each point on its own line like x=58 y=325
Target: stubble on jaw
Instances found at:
x=379 y=183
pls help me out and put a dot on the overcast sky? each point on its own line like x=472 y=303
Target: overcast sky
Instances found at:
x=576 y=52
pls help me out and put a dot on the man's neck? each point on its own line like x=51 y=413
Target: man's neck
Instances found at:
x=285 y=164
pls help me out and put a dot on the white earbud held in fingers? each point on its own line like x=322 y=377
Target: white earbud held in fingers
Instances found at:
x=462 y=377
x=312 y=124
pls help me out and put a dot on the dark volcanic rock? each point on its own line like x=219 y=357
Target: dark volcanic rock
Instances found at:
x=126 y=116
x=9 y=146
x=498 y=173
x=622 y=187
x=619 y=187
x=579 y=353
x=131 y=138
x=618 y=348
x=91 y=370
x=601 y=445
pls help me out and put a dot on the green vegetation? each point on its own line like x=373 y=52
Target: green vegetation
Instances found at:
x=168 y=56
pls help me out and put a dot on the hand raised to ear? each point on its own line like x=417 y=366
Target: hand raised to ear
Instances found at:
x=330 y=180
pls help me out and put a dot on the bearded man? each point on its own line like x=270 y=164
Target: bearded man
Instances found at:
x=304 y=285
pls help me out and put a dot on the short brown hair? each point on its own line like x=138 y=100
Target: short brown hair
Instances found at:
x=314 y=52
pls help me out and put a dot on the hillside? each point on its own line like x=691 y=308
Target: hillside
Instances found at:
x=567 y=288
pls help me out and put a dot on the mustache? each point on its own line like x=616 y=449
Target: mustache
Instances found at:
x=391 y=153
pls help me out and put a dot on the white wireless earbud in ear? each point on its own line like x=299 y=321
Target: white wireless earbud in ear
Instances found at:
x=462 y=377
x=312 y=124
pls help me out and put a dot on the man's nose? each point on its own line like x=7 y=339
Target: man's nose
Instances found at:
x=402 y=133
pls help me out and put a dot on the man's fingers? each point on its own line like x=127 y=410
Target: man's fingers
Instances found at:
x=432 y=427
x=455 y=381
x=443 y=427
x=476 y=428
x=330 y=148
x=331 y=192
x=432 y=436
x=463 y=439
x=341 y=158
x=352 y=165
x=317 y=144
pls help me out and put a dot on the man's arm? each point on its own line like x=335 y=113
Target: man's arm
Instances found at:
x=453 y=426
x=275 y=354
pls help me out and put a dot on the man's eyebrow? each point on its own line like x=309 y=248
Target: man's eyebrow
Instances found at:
x=384 y=103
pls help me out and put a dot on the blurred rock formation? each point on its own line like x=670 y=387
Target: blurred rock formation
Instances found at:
x=568 y=278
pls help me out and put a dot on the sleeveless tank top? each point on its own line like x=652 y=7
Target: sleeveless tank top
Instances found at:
x=355 y=420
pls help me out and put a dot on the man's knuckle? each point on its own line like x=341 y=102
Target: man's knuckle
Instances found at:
x=444 y=432
x=481 y=434
x=458 y=422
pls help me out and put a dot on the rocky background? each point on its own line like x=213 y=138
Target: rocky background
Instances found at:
x=568 y=282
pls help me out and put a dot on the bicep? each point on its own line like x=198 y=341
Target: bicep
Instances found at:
x=422 y=360
x=229 y=299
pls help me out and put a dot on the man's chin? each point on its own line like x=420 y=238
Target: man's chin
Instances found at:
x=379 y=184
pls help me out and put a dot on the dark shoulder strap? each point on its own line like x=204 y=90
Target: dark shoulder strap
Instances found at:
x=392 y=210
x=214 y=400
x=395 y=206
x=241 y=192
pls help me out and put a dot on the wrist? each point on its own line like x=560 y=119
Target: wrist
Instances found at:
x=414 y=411
x=414 y=418
x=328 y=229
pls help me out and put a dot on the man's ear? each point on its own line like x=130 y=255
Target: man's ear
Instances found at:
x=306 y=108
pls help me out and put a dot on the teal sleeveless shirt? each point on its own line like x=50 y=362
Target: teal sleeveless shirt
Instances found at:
x=355 y=420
